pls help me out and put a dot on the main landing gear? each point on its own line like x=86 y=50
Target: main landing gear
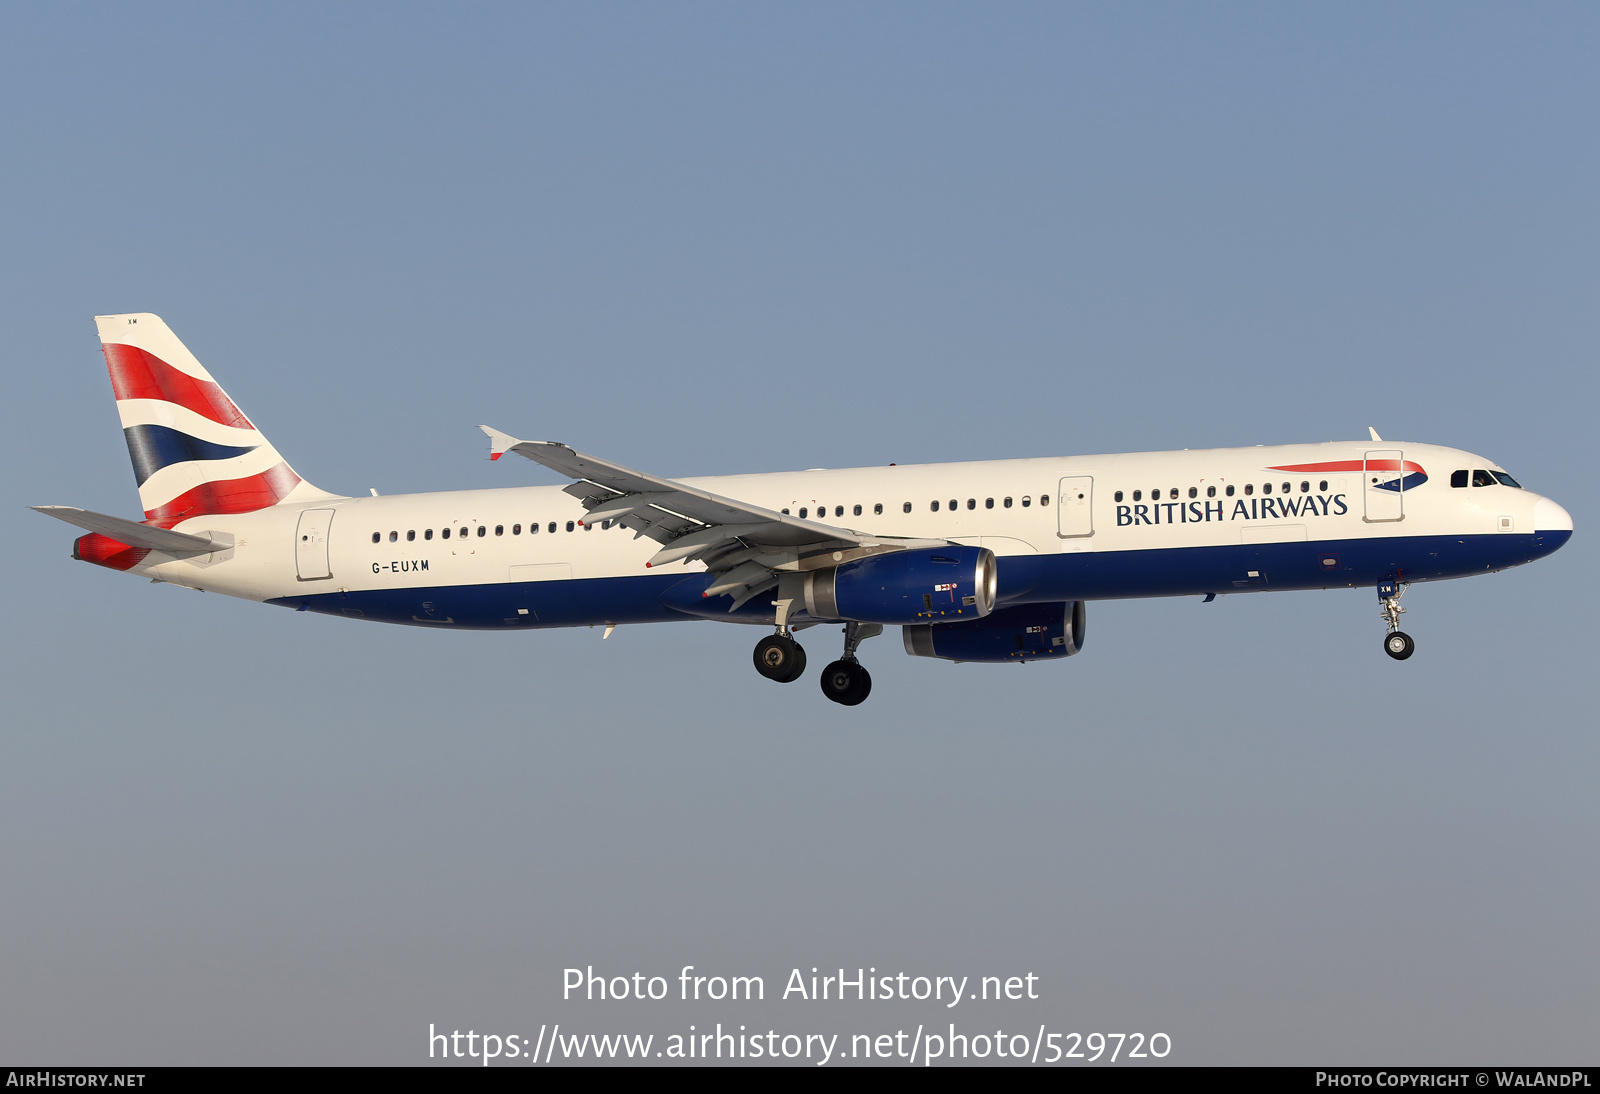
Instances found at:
x=846 y=681
x=779 y=657
x=1397 y=643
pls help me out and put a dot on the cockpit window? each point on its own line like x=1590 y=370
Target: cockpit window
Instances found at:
x=1506 y=480
x=1481 y=477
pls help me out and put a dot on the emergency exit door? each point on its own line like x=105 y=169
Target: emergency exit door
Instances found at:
x=311 y=544
x=1075 y=507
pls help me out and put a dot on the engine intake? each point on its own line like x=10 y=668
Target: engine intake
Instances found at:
x=955 y=583
x=1028 y=632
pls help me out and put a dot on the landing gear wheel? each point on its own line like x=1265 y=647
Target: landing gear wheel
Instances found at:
x=779 y=657
x=1399 y=645
x=846 y=682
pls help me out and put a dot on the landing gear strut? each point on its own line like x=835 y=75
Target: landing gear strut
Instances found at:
x=1397 y=643
x=846 y=681
x=778 y=656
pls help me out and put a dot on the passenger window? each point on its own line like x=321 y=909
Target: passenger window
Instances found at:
x=1482 y=478
x=838 y=510
x=906 y=507
x=1249 y=488
x=1194 y=492
x=803 y=511
x=934 y=506
x=1027 y=501
x=1211 y=491
x=856 y=511
x=1305 y=488
x=444 y=533
x=1044 y=499
x=988 y=503
x=571 y=525
x=552 y=527
x=394 y=536
x=411 y=536
x=483 y=530
x=377 y=536
x=1174 y=494
x=1228 y=491
x=972 y=503
x=516 y=529
x=953 y=505
x=1288 y=488
x=1007 y=503
x=1117 y=496
x=499 y=530
x=427 y=533
x=877 y=510
x=1266 y=488
x=1458 y=479
x=1137 y=495
x=786 y=512
x=533 y=529
x=1322 y=487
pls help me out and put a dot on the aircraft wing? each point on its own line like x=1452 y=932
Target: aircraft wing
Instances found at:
x=747 y=545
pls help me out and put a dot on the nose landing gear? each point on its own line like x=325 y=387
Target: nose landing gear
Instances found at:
x=846 y=681
x=1397 y=643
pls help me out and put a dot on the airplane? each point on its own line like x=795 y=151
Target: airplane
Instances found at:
x=988 y=561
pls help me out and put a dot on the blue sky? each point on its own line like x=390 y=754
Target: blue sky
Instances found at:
x=717 y=238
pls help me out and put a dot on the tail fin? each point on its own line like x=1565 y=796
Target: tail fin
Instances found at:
x=194 y=452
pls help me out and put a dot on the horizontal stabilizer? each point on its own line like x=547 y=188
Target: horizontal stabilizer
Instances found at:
x=131 y=532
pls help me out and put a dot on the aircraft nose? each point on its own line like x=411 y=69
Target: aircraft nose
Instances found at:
x=1550 y=517
x=1552 y=527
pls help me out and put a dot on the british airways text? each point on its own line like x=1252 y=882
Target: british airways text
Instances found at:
x=1199 y=512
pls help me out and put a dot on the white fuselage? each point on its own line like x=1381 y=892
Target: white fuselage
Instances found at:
x=534 y=535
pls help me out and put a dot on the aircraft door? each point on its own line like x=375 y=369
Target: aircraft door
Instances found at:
x=1383 y=486
x=1075 y=507
x=311 y=544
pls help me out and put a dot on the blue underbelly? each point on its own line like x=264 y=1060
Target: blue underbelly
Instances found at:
x=1108 y=575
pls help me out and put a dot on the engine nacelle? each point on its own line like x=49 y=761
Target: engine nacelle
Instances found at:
x=1028 y=632
x=955 y=583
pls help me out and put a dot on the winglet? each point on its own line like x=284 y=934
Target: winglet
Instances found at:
x=499 y=443
x=1374 y=433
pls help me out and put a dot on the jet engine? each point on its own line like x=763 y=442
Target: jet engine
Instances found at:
x=1028 y=632
x=942 y=583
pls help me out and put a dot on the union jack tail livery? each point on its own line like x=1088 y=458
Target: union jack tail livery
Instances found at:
x=194 y=452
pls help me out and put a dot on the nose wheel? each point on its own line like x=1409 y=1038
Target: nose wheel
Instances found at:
x=1397 y=643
